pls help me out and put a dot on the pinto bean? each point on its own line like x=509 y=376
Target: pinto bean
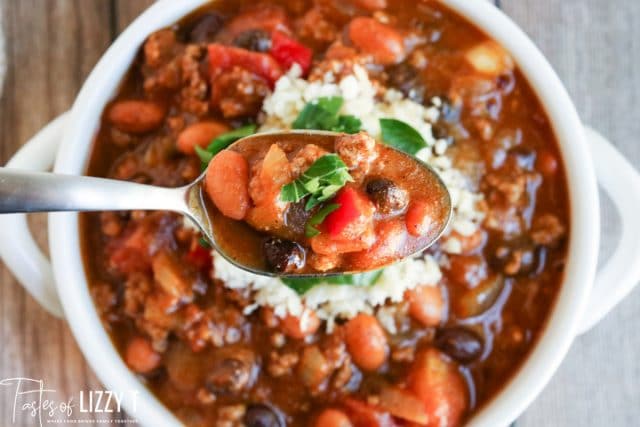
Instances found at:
x=227 y=183
x=333 y=418
x=382 y=41
x=199 y=134
x=426 y=305
x=136 y=116
x=140 y=356
x=366 y=342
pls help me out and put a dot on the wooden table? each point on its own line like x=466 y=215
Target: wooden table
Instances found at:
x=593 y=44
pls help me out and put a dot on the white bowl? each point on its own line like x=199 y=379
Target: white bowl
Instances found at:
x=617 y=177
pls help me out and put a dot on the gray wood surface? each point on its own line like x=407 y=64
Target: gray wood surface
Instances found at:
x=593 y=44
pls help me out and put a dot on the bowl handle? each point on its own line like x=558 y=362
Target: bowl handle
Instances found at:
x=18 y=249
x=615 y=279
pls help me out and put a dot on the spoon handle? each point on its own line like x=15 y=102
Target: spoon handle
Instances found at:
x=25 y=191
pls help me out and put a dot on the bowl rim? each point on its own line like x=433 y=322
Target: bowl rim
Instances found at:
x=561 y=325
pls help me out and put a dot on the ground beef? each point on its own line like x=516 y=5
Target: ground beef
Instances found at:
x=238 y=93
x=357 y=151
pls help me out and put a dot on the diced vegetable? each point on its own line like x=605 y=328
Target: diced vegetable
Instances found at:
x=403 y=404
x=354 y=207
x=382 y=41
x=490 y=58
x=222 y=58
x=169 y=275
x=310 y=229
x=199 y=134
x=436 y=381
x=136 y=116
x=288 y=51
x=390 y=238
x=362 y=414
x=200 y=257
x=314 y=367
x=366 y=342
x=421 y=218
x=227 y=182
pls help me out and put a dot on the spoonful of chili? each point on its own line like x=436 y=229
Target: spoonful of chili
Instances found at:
x=294 y=204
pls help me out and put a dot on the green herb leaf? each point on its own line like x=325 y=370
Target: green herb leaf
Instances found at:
x=204 y=243
x=204 y=155
x=221 y=142
x=348 y=124
x=322 y=181
x=309 y=229
x=302 y=285
x=402 y=136
x=322 y=114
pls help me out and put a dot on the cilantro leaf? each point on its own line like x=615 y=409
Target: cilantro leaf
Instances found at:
x=302 y=285
x=321 y=181
x=402 y=136
x=309 y=229
x=322 y=114
x=221 y=142
x=348 y=124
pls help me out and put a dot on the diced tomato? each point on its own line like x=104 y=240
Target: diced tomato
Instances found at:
x=200 y=257
x=403 y=404
x=436 y=381
x=362 y=414
x=223 y=58
x=354 y=209
x=288 y=51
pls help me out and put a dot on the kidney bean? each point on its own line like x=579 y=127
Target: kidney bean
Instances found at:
x=420 y=218
x=298 y=328
x=426 y=305
x=259 y=415
x=136 y=116
x=199 y=134
x=382 y=41
x=366 y=342
x=140 y=356
x=333 y=418
x=227 y=183
x=283 y=255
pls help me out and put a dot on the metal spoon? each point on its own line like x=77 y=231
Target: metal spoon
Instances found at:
x=22 y=191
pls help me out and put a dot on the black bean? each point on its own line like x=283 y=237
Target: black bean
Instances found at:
x=229 y=376
x=256 y=40
x=205 y=28
x=283 y=255
x=296 y=216
x=406 y=79
x=460 y=343
x=386 y=195
x=259 y=415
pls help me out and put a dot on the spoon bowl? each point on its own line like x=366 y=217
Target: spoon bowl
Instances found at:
x=25 y=191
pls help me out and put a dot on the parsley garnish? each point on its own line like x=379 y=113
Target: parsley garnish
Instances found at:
x=221 y=142
x=402 y=136
x=321 y=181
x=302 y=285
x=322 y=114
x=310 y=229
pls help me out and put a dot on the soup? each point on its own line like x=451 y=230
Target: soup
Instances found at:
x=426 y=341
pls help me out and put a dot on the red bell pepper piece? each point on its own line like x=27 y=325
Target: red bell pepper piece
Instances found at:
x=288 y=51
x=200 y=257
x=223 y=58
x=353 y=205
